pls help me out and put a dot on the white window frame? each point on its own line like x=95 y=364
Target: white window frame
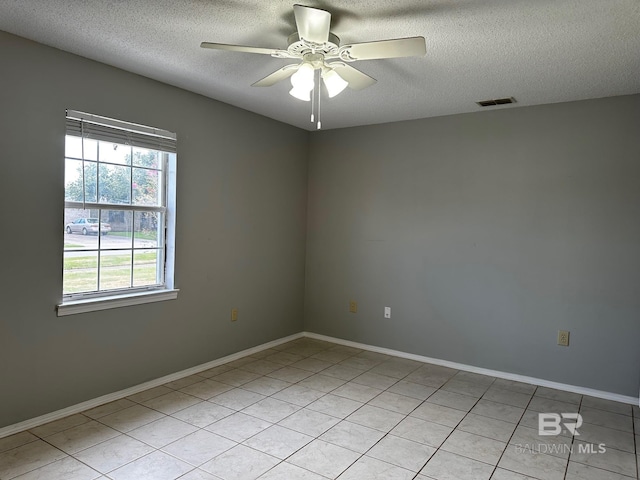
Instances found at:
x=102 y=128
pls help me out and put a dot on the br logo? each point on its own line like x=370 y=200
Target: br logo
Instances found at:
x=552 y=423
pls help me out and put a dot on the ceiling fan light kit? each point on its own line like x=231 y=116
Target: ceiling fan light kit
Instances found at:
x=303 y=82
x=319 y=50
x=333 y=81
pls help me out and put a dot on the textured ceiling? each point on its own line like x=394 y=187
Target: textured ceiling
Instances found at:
x=538 y=51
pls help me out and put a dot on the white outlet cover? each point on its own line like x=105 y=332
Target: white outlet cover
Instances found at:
x=387 y=312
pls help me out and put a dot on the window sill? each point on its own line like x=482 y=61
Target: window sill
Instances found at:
x=116 y=301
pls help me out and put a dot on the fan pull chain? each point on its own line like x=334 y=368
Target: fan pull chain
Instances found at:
x=313 y=91
x=319 y=124
x=313 y=100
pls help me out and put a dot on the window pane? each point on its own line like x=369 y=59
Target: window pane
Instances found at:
x=146 y=187
x=80 y=272
x=81 y=228
x=115 y=269
x=118 y=225
x=149 y=229
x=73 y=180
x=114 y=153
x=147 y=269
x=143 y=157
x=90 y=181
x=73 y=243
x=73 y=148
x=115 y=184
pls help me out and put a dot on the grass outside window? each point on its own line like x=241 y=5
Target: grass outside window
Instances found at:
x=81 y=272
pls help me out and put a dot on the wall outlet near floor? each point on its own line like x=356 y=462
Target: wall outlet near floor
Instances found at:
x=563 y=338
x=387 y=312
x=353 y=306
x=234 y=314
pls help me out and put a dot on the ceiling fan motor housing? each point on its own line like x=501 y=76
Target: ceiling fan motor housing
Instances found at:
x=316 y=60
x=298 y=47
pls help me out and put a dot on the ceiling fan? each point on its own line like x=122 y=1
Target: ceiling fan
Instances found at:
x=319 y=54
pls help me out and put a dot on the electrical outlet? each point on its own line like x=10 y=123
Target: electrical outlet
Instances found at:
x=353 y=306
x=234 y=314
x=387 y=312
x=563 y=338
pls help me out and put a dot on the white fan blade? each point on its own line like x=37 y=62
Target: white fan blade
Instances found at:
x=313 y=24
x=396 y=48
x=275 y=77
x=357 y=80
x=239 y=48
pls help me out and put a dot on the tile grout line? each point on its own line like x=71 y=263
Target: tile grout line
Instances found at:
x=397 y=380
x=361 y=455
x=514 y=431
x=573 y=442
x=318 y=437
x=635 y=438
x=453 y=428
x=198 y=428
x=387 y=433
x=277 y=423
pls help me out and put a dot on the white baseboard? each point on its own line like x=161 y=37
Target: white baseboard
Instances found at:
x=96 y=402
x=483 y=371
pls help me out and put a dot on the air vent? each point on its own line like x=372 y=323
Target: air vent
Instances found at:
x=497 y=101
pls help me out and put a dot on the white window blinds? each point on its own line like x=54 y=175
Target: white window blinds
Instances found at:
x=106 y=129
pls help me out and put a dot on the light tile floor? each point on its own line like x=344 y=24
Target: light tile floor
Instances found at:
x=313 y=410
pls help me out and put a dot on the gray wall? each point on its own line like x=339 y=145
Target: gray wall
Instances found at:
x=240 y=239
x=486 y=233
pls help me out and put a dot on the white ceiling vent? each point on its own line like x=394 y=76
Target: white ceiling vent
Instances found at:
x=497 y=101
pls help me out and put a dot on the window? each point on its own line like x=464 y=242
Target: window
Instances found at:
x=119 y=214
